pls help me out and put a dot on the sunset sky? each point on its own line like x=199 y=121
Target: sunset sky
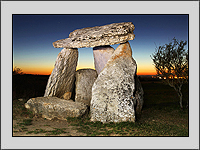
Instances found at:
x=33 y=36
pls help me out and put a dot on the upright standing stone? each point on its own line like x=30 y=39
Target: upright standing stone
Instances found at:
x=112 y=92
x=101 y=55
x=84 y=81
x=62 y=77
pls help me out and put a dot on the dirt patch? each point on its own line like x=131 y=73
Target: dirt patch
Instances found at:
x=42 y=127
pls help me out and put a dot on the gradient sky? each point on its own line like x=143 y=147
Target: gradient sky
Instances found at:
x=33 y=36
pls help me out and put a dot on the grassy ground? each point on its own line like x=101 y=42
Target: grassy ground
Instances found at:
x=161 y=115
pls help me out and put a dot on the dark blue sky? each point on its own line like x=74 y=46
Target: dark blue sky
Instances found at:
x=33 y=36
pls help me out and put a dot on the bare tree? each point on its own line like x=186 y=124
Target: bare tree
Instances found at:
x=17 y=71
x=171 y=64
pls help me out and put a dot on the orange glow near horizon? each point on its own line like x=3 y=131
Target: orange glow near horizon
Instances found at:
x=36 y=71
x=146 y=70
x=146 y=73
x=48 y=72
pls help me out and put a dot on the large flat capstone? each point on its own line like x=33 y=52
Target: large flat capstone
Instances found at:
x=53 y=107
x=112 y=92
x=98 y=36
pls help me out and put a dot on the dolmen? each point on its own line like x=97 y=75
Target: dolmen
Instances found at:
x=112 y=92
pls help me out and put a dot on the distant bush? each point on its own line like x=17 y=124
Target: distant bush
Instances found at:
x=17 y=71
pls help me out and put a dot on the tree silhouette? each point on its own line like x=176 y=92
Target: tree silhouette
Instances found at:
x=17 y=71
x=171 y=64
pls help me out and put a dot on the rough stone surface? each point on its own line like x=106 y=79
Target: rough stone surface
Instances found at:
x=53 y=107
x=62 y=77
x=112 y=92
x=138 y=94
x=101 y=55
x=98 y=36
x=67 y=95
x=84 y=81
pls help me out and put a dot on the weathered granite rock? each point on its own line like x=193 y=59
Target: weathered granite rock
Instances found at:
x=138 y=94
x=99 y=35
x=112 y=92
x=53 y=107
x=101 y=55
x=84 y=81
x=62 y=77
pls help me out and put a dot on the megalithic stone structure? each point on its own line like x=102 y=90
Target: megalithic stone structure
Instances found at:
x=62 y=77
x=101 y=55
x=112 y=92
x=116 y=92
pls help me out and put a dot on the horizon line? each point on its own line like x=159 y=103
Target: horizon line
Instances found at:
x=50 y=74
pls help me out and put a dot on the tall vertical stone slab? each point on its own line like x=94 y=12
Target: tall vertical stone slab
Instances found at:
x=62 y=77
x=112 y=92
x=101 y=55
x=84 y=81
